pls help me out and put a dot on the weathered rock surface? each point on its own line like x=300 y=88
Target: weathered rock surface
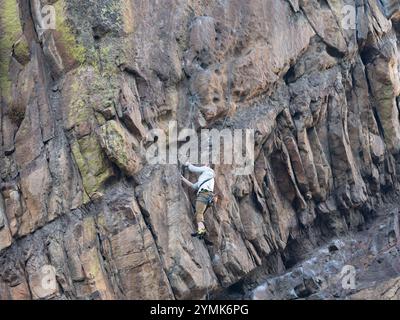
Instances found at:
x=78 y=101
x=363 y=265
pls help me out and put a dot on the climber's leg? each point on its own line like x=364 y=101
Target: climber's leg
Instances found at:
x=201 y=208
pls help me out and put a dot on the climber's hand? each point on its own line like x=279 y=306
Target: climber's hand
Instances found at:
x=184 y=164
x=186 y=182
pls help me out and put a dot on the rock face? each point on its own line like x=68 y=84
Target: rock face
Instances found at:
x=83 y=215
x=363 y=265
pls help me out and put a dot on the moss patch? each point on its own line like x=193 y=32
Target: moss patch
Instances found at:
x=10 y=30
x=22 y=51
x=79 y=112
x=93 y=166
x=86 y=90
x=16 y=113
x=118 y=147
x=65 y=36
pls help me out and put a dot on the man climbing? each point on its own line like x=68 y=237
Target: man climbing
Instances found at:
x=205 y=189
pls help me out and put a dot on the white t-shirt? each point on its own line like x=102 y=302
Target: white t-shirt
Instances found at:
x=206 y=174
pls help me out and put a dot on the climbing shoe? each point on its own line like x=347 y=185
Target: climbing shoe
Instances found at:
x=200 y=233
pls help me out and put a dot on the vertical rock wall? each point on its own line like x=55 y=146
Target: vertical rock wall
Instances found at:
x=78 y=101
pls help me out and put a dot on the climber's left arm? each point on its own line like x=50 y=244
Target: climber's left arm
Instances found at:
x=188 y=183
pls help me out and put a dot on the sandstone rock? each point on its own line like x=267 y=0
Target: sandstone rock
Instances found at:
x=321 y=275
x=78 y=103
x=131 y=115
x=92 y=163
x=35 y=186
x=28 y=139
x=5 y=235
x=385 y=84
x=325 y=24
x=167 y=214
x=120 y=147
x=385 y=291
x=13 y=207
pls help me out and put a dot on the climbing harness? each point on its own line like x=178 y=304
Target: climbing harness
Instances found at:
x=204 y=183
x=206 y=197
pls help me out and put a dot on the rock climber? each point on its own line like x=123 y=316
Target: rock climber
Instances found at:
x=205 y=194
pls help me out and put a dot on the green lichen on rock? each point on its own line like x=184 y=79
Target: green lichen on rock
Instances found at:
x=85 y=90
x=118 y=147
x=10 y=30
x=78 y=113
x=66 y=36
x=81 y=92
x=16 y=113
x=112 y=9
x=22 y=51
x=104 y=59
x=92 y=164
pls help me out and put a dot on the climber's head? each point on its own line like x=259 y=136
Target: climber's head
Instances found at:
x=211 y=165
x=207 y=164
